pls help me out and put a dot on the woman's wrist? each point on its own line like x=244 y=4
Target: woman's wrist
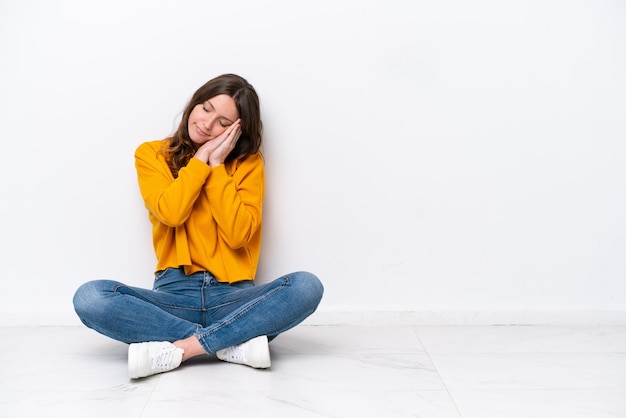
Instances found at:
x=215 y=162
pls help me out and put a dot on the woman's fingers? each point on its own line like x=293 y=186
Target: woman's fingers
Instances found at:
x=225 y=143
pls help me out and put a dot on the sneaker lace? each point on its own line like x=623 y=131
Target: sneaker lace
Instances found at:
x=163 y=359
x=236 y=353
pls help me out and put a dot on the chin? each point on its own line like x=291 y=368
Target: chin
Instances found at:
x=197 y=141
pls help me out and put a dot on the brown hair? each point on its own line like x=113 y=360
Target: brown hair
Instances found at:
x=181 y=148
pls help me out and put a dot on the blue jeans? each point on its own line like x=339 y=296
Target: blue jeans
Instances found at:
x=219 y=314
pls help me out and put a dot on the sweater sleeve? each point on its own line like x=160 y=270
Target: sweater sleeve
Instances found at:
x=236 y=199
x=169 y=200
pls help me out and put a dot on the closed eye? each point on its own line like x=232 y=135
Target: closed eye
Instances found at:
x=224 y=122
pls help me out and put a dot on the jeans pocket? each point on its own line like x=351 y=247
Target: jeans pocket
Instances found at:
x=159 y=276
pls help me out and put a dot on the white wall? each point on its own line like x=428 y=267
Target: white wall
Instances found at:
x=428 y=156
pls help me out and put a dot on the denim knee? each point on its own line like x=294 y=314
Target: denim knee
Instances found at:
x=310 y=287
x=87 y=298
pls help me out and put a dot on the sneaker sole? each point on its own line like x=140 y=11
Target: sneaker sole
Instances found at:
x=260 y=346
x=137 y=352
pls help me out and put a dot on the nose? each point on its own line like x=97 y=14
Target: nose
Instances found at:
x=207 y=124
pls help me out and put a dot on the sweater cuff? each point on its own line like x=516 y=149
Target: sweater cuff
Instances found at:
x=195 y=164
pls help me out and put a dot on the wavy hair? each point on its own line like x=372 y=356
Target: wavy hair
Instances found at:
x=181 y=148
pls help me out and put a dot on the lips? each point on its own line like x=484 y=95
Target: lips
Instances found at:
x=200 y=131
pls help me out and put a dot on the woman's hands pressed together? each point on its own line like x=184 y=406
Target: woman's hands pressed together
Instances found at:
x=214 y=151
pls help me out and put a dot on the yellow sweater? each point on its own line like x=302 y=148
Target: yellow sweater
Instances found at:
x=207 y=219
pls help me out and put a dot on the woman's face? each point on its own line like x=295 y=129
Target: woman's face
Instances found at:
x=210 y=119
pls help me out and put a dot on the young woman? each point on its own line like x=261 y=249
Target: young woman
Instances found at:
x=203 y=189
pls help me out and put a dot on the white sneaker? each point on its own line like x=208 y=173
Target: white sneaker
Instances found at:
x=254 y=353
x=145 y=359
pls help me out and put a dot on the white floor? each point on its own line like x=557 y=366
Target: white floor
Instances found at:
x=329 y=371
